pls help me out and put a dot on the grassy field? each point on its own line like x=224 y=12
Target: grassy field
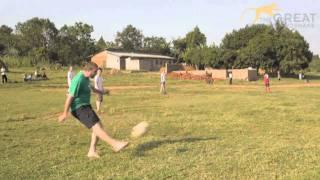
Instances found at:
x=197 y=131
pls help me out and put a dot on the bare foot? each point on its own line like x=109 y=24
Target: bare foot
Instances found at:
x=119 y=146
x=93 y=155
x=100 y=112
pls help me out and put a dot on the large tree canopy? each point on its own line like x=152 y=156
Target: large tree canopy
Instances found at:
x=6 y=38
x=268 y=47
x=36 y=38
x=195 y=38
x=130 y=38
x=75 y=43
x=156 y=45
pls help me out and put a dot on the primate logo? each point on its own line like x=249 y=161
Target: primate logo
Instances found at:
x=267 y=9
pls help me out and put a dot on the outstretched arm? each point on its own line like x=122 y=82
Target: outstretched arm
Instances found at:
x=67 y=105
x=102 y=92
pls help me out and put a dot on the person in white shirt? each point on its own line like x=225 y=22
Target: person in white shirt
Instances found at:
x=70 y=76
x=230 y=78
x=4 y=75
x=98 y=84
x=163 y=82
x=279 y=76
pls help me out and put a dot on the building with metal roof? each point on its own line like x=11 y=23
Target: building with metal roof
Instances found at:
x=131 y=61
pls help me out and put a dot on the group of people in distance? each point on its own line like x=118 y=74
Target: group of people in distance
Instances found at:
x=37 y=76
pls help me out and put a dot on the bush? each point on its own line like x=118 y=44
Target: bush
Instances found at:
x=12 y=61
x=314 y=66
x=26 y=61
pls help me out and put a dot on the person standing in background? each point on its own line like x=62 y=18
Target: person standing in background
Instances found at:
x=163 y=82
x=4 y=75
x=266 y=81
x=98 y=84
x=230 y=78
x=70 y=76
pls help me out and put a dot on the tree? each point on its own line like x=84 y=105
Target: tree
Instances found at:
x=240 y=38
x=192 y=41
x=195 y=38
x=227 y=57
x=101 y=44
x=36 y=33
x=2 y=48
x=179 y=47
x=292 y=49
x=297 y=55
x=260 y=53
x=211 y=57
x=75 y=43
x=130 y=39
x=314 y=66
x=156 y=45
x=194 y=56
x=5 y=38
x=200 y=57
x=265 y=46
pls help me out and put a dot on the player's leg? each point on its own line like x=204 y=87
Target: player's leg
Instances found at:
x=98 y=104
x=102 y=134
x=93 y=150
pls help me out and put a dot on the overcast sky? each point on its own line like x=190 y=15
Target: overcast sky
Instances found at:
x=167 y=18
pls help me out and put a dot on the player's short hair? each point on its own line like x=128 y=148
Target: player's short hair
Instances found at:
x=89 y=66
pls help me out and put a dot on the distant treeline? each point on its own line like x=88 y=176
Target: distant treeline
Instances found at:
x=271 y=47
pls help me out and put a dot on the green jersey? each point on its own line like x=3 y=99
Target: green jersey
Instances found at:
x=80 y=91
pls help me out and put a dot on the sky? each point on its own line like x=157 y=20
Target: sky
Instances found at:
x=166 y=18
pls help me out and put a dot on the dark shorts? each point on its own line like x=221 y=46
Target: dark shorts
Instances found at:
x=267 y=84
x=99 y=97
x=86 y=116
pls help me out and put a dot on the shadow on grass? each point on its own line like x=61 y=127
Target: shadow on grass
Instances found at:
x=142 y=148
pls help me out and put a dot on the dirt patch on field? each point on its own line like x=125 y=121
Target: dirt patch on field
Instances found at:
x=128 y=87
x=62 y=89
x=296 y=85
x=233 y=87
x=273 y=86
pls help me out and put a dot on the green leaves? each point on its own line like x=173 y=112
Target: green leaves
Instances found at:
x=101 y=44
x=155 y=44
x=130 y=38
x=191 y=49
x=75 y=43
x=267 y=47
x=195 y=38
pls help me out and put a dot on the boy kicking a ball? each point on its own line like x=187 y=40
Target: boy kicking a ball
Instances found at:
x=78 y=100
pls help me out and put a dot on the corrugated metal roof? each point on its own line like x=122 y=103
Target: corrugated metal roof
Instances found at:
x=139 y=55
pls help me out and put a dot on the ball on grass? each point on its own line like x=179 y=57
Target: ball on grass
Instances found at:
x=140 y=129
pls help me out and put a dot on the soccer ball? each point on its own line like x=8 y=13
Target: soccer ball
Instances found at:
x=140 y=129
